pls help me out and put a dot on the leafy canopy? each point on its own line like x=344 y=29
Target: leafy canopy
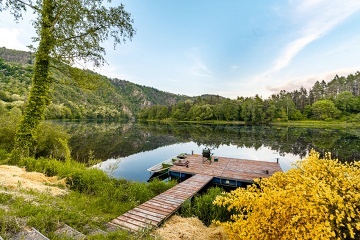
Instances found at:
x=77 y=26
x=320 y=199
x=67 y=31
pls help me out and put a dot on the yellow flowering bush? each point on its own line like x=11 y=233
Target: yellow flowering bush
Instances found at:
x=319 y=199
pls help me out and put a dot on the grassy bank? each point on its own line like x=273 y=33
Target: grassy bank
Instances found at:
x=318 y=124
x=92 y=200
x=299 y=123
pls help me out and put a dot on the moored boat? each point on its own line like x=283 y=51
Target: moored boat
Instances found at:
x=165 y=165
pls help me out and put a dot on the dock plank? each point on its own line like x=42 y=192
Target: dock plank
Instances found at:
x=125 y=225
x=168 y=198
x=127 y=219
x=144 y=219
x=146 y=212
x=156 y=208
x=165 y=201
x=152 y=209
x=145 y=216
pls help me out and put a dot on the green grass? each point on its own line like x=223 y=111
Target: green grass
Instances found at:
x=218 y=122
x=94 y=199
x=202 y=207
x=298 y=123
x=318 y=124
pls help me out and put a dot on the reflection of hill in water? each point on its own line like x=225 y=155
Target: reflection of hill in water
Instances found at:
x=121 y=140
x=113 y=140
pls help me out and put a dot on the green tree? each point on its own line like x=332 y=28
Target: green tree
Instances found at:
x=324 y=109
x=200 y=112
x=180 y=110
x=270 y=110
x=3 y=109
x=162 y=112
x=345 y=101
x=67 y=31
x=252 y=110
x=231 y=110
x=285 y=106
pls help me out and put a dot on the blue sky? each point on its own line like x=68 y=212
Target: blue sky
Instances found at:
x=230 y=48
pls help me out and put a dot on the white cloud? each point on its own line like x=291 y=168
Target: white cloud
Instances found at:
x=198 y=67
x=291 y=50
x=294 y=83
x=315 y=18
x=10 y=38
x=16 y=35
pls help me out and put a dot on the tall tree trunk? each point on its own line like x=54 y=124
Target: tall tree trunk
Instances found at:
x=39 y=92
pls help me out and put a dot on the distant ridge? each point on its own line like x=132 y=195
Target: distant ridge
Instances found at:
x=16 y=56
x=110 y=99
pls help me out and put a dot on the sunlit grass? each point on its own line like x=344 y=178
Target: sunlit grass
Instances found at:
x=93 y=200
x=318 y=124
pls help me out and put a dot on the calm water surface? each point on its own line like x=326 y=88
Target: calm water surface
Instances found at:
x=128 y=150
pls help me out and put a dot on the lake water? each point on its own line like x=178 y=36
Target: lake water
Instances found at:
x=128 y=150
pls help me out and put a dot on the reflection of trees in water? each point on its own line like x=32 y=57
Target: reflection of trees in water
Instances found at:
x=121 y=140
x=114 y=140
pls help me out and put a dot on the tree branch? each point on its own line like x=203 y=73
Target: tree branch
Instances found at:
x=90 y=31
x=58 y=14
x=29 y=5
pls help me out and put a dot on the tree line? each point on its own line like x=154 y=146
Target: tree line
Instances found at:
x=337 y=99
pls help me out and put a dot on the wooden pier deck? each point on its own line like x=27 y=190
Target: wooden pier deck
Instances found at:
x=227 y=171
x=153 y=212
x=224 y=171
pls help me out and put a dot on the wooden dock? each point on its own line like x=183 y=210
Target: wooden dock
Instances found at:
x=220 y=170
x=226 y=171
x=153 y=212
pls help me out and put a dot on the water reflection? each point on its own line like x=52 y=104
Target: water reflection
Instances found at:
x=136 y=147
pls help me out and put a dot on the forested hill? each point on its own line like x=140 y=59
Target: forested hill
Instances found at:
x=79 y=94
x=76 y=94
x=338 y=99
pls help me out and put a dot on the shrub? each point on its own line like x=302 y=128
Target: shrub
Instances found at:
x=203 y=208
x=157 y=186
x=320 y=199
x=8 y=123
x=3 y=155
x=51 y=141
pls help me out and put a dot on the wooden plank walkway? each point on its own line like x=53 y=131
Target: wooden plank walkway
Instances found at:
x=153 y=212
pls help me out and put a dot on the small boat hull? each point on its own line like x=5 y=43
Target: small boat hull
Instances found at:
x=164 y=166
